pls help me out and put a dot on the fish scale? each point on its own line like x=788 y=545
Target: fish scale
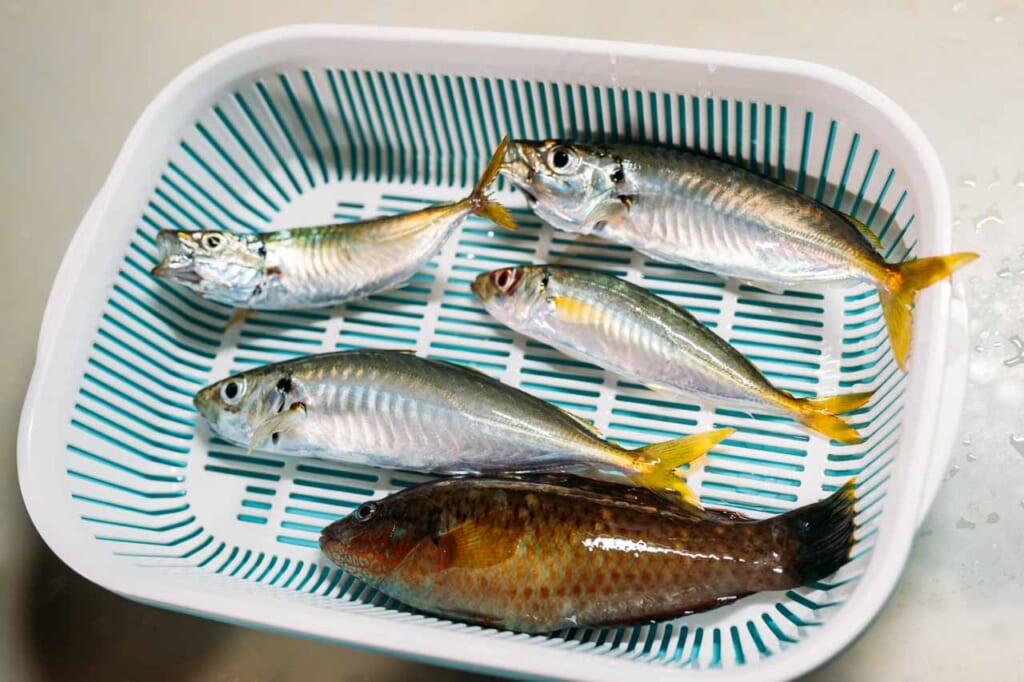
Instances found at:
x=682 y=207
x=618 y=325
x=397 y=410
x=539 y=553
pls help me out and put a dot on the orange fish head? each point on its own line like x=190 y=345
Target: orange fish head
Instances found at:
x=375 y=539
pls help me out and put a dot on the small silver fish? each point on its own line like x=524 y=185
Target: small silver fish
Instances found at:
x=627 y=329
x=394 y=409
x=319 y=266
x=680 y=207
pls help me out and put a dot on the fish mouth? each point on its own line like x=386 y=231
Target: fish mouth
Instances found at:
x=176 y=260
x=516 y=167
x=333 y=535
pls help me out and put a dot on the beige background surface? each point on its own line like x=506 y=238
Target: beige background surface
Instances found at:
x=75 y=76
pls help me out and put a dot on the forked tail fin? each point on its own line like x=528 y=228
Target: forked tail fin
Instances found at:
x=824 y=533
x=481 y=203
x=659 y=461
x=820 y=414
x=898 y=291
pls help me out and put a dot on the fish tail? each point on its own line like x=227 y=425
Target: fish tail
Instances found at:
x=902 y=283
x=481 y=203
x=824 y=535
x=820 y=414
x=657 y=463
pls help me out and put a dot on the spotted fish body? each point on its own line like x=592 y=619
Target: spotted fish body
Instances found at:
x=310 y=267
x=541 y=553
x=625 y=328
x=396 y=410
x=680 y=207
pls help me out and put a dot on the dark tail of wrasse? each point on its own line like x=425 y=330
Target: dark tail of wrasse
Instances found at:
x=481 y=202
x=824 y=535
x=659 y=461
x=819 y=414
x=902 y=284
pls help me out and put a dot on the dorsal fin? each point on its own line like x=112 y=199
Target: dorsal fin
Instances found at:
x=584 y=423
x=864 y=230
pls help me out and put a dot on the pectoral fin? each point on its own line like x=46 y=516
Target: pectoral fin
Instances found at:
x=609 y=211
x=282 y=421
x=487 y=541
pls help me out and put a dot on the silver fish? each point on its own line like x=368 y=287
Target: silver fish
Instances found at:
x=625 y=328
x=319 y=266
x=394 y=409
x=680 y=207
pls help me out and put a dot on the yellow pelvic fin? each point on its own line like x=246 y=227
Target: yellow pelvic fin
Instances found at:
x=898 y=290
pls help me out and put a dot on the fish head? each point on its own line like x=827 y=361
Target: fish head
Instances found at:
x=221 y=266
x=382 y=535
x=234 y=407
x=564 y=183
x=513 y=295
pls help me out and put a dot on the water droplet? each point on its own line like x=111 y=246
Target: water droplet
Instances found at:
x=963 y=523
x=971 y=457
x=995 y=179
x=1018 y=181
x=1004 y=272
x=992 y=216
x=967 y=180
x=1018 y=345
x=1017 y=441
x=959 y=6
x=966 y=440
x=954 y=470
x=992 y=518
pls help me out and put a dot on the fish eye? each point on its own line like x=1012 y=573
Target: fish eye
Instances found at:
x=232 y=390
x=562 y=159
x=212 y=241
x=365 y=511
x=506 y=279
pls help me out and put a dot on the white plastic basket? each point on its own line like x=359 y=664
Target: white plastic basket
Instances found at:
x=309 y=124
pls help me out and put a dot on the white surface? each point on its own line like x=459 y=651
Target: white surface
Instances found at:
x=955 y=67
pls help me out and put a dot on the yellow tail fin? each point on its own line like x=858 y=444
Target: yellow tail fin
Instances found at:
x=903 y=283
x=819 y=414
x=656 y=468
x=482 y=204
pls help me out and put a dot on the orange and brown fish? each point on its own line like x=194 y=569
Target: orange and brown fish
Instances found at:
x=543 y=552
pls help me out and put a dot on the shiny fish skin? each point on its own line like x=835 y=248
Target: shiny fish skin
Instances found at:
x=540 y=553
x=312 y=267
x=394 y=409
x=625 y=328
x=680 y=207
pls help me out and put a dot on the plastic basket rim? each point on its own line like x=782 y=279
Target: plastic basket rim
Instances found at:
x=494 y=655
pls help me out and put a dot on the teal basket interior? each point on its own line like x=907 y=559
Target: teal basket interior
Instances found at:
x=327 y=145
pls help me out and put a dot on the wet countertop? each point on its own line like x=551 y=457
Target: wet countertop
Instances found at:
x=75 y=76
